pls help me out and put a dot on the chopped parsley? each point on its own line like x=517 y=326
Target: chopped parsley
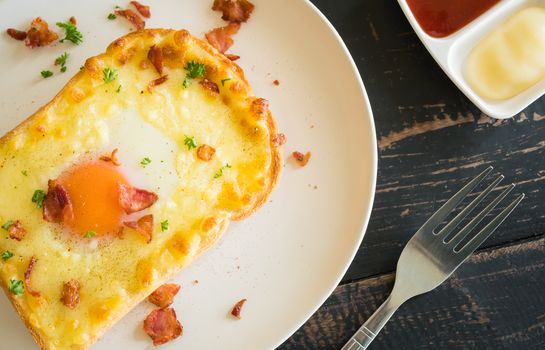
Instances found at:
x=164 y=225
x=111 y=16
x=194 y=70
x=24 y=172
x=16 y=287
x=61 y=61
x=224 y=80
x=7 y=224
x=63 y=69
x=118 y=89
x=6 y=255
x=109 y=74
x=146 y=161
x=71 y=32
x=186 y=82
x=220 y=172
x=190 y=142
x=38 y=197
x=90 y=234
x=46 y=73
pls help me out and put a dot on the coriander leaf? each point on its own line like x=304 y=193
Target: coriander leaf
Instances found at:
x=194 y=69
x=6 y=255
x=109 y=74
x=46 y=73
x=186 y=82
x=7 y=224
x=61 y=60
x=224 y=80
x=118 y=89
x=145 y=162
x=38 y=197
x=190 y=142
x=16 y=287
x=71 y=33
x=89 y=234
x=24 y=172
x=164 y=225
x=111 y=16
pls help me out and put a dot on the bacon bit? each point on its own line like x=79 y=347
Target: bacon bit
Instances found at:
x=156 y=82
x=142 y=9
x=134 y=199
x=132 y=17
x=301 y=158
x=16 y=231
x=164 y=295
x=234 y=10
x=260 y=106
x=111 y=158
x=205 y=152
x=196 y=282
x=70 y=294
x=162 y=326
x=28 y=271
x=276 y=82
x=210 y=85
x=155 y=55
x=279 y=139
x=73 y=20
x=236 y=309
x=39 y=34
x=57 y=205
x=144 y=226
x=232 y=57
x=16 y=34
x=220 y=38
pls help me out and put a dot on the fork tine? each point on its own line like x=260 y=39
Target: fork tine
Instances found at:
x=451 y=204
x=467 y=210
x=490 y=228
x=476 y=220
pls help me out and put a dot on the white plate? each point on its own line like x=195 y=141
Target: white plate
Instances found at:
x=288 y=257
x=451 y=53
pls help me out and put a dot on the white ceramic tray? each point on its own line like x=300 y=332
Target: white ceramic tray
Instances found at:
x=452 y=51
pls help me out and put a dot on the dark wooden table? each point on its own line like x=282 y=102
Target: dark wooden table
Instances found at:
x=431 y=141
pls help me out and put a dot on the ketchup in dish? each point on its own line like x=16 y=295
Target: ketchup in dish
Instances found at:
x=441 y=18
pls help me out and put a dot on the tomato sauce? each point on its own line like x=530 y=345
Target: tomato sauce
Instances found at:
x=441 y=18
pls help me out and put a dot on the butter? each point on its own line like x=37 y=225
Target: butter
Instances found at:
x=511 y=58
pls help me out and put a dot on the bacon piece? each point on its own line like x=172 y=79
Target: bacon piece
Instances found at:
x=155 y=55
x=162 y=326
x=16 y=34
x=73 y=20
x=301 y=158
x=57 y=205
x=156 y=82
x=210 y=85
x=220 y=38
x=234 y=10
x=205 y=152
x=39 y=34
x=144 y=226
x=28 y=271
x=232 y=57
x=132 y=17
x=111 y=158
x=16 y=231
x=236 y=309
x=142 y=9
x=279 y=139
x=70 y=294
x=260 y=106
x=164 y=295
x=134 y=199
x=276 y=82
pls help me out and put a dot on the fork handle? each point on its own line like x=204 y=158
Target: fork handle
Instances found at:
x=365 y=335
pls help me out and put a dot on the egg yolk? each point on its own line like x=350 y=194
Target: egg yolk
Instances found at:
x=93 y=191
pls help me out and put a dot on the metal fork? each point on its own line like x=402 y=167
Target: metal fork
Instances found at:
x=431 y=257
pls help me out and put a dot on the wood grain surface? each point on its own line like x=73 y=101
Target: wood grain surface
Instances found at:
x=432 y=140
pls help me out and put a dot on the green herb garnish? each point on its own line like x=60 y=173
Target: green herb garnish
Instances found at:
x=90 y=234
x=7 y=224
x=61 y=61
x=220 y=172
x=118 y=89
x=186 y=82
x=6 y=255
x=38 y=197
x=164 y=225
x=109 y=74
x=24 y=172
x=190 y=142
x=145 y=162
x=194 y=69
x=16 y=287
x=224 y=80
x=71 y=32
x=112 y=16
x=46 y=73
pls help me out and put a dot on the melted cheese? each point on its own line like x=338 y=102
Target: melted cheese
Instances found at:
x=89 y=117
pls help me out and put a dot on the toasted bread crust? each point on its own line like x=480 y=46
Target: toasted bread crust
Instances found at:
x=114 y=49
